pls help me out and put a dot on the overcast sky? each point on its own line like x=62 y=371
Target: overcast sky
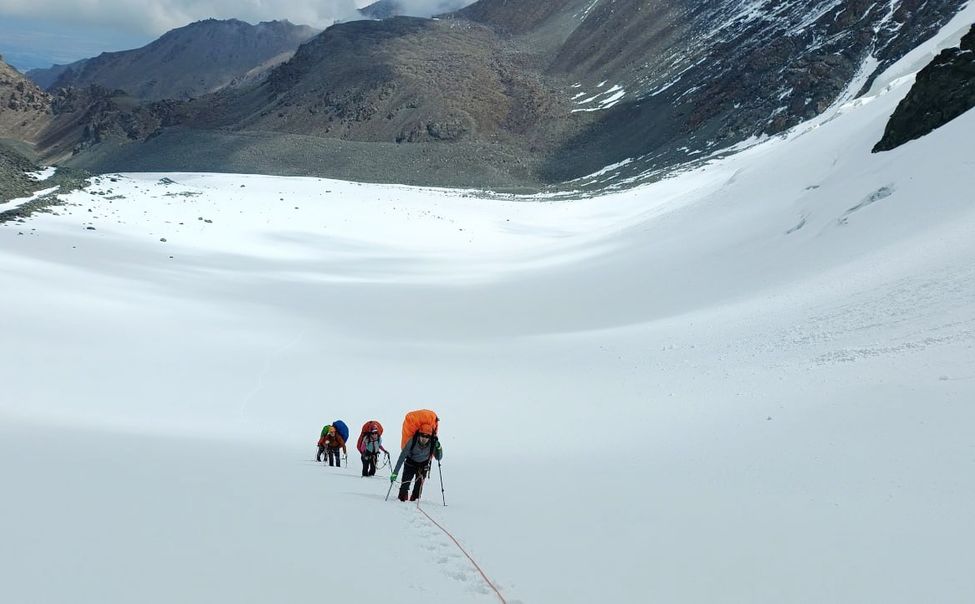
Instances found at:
x=37 y=33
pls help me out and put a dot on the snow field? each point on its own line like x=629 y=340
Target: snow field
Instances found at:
x=751 y=382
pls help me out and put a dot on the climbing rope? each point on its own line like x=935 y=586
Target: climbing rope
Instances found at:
x=464 y=551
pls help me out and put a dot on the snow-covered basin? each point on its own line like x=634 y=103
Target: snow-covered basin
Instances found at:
x=751 y=382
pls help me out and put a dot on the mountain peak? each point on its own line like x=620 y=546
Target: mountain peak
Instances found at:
x=196 y=59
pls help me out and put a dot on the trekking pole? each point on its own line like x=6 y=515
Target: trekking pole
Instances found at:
x=442 y=494
x=390 y=475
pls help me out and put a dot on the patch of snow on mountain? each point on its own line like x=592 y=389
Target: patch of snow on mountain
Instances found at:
x=20 y=201
x=585 y=12
x=42 y=174
x=813 y=15
x=603 y=99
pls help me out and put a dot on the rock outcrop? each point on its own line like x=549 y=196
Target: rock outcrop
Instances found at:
x=25 y=109
x=942 y=91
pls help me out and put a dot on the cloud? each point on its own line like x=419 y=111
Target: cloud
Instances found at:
x=155 y=17
x=37 y=33
x=426 y=8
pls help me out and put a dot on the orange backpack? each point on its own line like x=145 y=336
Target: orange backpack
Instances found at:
x=421 y=420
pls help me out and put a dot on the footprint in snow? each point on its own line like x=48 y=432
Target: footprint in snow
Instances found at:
x=458 y=575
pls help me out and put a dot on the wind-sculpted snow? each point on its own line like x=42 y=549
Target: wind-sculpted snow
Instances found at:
x=722 y=386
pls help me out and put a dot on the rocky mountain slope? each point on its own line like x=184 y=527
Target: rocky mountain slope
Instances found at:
x=595 y=82
x=55 y=126
x=384 y=9
x=86 y=117
x=187 y=62
x=47 y=76
x=529 y=92
x=692 y=77
x=14 y=181
x=415 y=80
x=25 y=109
x=943 y=90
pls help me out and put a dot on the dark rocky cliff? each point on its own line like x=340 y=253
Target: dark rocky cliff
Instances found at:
x=942 y=91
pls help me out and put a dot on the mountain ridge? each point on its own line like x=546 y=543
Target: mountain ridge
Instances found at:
x=196 y=59
x=546 y=91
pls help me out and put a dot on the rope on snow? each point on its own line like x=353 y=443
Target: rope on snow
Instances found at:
x=464 y=551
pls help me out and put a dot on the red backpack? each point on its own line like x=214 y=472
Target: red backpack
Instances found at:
x=368 y=427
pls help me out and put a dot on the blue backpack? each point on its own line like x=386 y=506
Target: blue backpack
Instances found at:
x=342 y=429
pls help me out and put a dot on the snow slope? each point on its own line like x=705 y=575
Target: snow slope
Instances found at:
x=751 y=382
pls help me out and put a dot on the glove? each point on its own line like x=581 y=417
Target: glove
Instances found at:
x=392 y=477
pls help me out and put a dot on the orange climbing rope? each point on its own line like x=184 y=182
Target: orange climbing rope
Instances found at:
x=464 y=551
